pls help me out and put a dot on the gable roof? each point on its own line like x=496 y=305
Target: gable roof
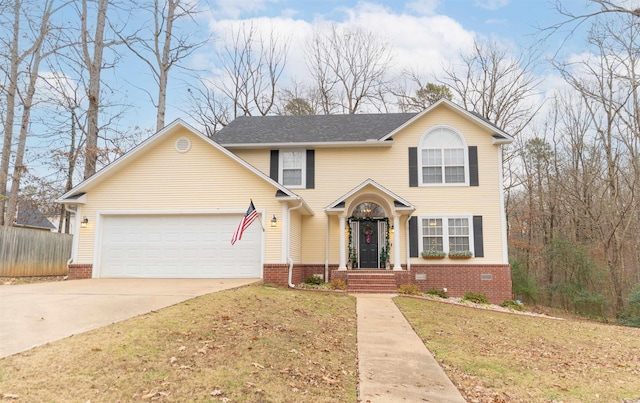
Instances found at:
x=499 y=136
x=399 y=202
x=29 y=215
x=74 y=195
x=311 y=129
x=318 y=130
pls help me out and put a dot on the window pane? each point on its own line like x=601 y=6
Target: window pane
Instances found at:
x=431 y=157
x=432 y=174
x=292 y=177
x=458 y=234
x=458 y=243
x=454 y=174
x=292 y=159
x=432 y=226
x=432 y=243
x=453 y=156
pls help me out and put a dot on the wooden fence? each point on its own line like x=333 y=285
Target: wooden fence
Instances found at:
x=31 y=252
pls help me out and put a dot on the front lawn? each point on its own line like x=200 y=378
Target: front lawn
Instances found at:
x=499 y=357
x=254 y=343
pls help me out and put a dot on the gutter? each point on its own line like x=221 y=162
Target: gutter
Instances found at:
x=289 y=259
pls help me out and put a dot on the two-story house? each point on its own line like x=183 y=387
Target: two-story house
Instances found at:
x=339 y=196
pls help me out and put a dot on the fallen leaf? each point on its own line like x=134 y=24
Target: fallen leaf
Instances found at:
x=217 y=392
x=255 y=364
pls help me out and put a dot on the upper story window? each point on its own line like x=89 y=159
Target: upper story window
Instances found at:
x=443 y=158
x=292 y=168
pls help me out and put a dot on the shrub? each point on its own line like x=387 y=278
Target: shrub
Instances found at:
x=314 y=280
x=409 y=289
x=630 y=315
x=524 y=283
x=438 y=292
x=512 y=305
x=338 y=284
x=478 y=298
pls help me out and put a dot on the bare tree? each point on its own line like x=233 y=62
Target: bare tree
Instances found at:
x=165 y=48
x=497 y=85
x=247 y=83
x=22 y=63
x=348 y=68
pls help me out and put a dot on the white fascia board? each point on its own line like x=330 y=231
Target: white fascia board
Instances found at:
x=77 y=200
x=305 y=206
x=329 y=144
x=376 y=185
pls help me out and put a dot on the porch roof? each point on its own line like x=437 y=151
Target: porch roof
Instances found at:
x=399 y=204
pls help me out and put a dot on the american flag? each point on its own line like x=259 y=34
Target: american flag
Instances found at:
x=248 y=218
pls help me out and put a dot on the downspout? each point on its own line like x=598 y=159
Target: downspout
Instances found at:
x=67 y=208
x=408 y=247
x=289 y=259
x=326 y=252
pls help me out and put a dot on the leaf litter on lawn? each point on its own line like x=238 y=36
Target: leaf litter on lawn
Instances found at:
x=254 y=343
x=500 y=357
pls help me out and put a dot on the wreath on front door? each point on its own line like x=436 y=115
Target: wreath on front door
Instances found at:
x=368 y=230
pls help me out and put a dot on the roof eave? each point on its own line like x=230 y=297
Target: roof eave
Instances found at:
x=328 y=144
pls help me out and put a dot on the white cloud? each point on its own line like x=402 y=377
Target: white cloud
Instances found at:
x=423 y=7
x=492 y=4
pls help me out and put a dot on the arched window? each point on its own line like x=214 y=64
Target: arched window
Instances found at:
x=442 y=157
x=368 y=210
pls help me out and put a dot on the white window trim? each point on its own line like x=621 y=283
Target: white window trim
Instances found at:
x=445 y=230
x=303 y=184
x=465 y=152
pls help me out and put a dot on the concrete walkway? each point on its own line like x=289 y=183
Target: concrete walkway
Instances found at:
x=35 y=314
x=394 y=364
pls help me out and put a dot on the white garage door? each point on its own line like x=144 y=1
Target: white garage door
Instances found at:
x=178 y=246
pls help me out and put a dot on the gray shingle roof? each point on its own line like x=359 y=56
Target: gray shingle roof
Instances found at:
x=29 y=215
x=309 y=128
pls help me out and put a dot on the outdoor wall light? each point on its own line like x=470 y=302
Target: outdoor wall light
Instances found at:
x=274 y=221
x=84 y=222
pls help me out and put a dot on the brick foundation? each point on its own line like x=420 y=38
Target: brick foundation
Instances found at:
x=79 y=271
x=492 y=280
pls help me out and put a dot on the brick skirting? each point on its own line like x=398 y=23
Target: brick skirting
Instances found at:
x=492 y=280
x=79 y=271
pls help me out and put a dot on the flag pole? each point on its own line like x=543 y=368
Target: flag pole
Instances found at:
x=260 y=220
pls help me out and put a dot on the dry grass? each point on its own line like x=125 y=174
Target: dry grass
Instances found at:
x=498 y=357
x=250 y=344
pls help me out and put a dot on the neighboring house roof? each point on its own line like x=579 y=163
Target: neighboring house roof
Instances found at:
x=309 y=128
x=29 y=215
x=75 y=195
x=370 y=129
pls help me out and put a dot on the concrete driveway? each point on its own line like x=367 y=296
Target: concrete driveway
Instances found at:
x=36 y=314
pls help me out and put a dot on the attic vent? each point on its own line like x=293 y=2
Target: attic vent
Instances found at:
x=183 y=145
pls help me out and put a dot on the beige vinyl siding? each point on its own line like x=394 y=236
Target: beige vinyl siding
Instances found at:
x=296 y=237
x=164 y=180
x=339 y=170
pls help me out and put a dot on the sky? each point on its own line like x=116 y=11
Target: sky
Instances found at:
x=424 y=35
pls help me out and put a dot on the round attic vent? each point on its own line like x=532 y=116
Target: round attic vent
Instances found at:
x=183 y=145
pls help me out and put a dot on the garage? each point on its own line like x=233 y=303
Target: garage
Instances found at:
x=178 y=246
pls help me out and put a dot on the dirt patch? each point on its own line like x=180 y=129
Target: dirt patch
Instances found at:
x=255 y=343
x=497 y=357
x=29 y=280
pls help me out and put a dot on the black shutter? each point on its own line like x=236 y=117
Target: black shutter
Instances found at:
x=478 y=244
x=413 y=237
x=473 y=166
x=311 y=169
x=273 y=168
x=413 y=167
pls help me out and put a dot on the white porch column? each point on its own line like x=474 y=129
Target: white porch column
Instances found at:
x=343 y=253
x=396 y=243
